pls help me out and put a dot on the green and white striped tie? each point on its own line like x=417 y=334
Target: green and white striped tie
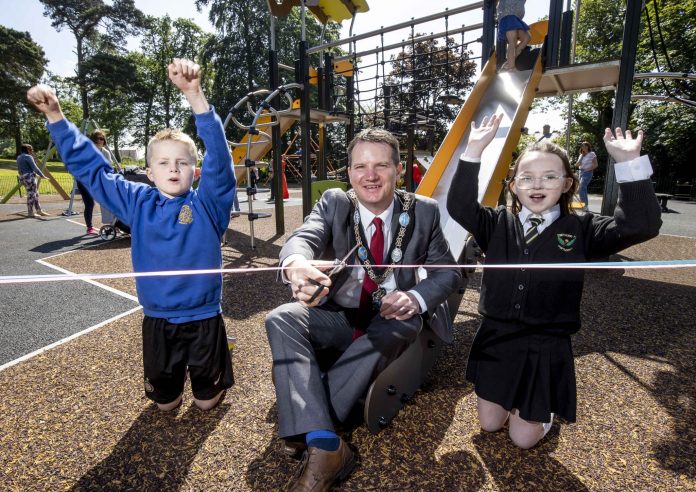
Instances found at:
x=533 y=231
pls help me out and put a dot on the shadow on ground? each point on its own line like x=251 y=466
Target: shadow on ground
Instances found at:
x=156 y=452
x=653 y=321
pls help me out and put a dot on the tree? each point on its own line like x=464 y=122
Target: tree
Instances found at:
x=238 y=53
x=424 y=77
x=85 y=18
x=669 y=126
x=158 y=105
x=114 y=84
x=22 y=64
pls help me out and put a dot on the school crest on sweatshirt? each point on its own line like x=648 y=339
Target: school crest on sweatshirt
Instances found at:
x=565 y=242
x=185 y=215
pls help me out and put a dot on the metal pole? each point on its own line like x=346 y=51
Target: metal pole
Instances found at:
x=488 y=38
x=410 y=140
x=305 y=127
x=321 y=155
x=277 y=182
x=418 y=39
x=572 y=60
x=554 y=33
x=622 y=105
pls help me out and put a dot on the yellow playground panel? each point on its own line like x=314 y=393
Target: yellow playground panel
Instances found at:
x=325 y=10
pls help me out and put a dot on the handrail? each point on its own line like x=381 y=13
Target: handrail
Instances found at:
x=418 y=39
x=396 y=27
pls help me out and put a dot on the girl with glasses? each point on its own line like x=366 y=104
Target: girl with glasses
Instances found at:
x=521 y=360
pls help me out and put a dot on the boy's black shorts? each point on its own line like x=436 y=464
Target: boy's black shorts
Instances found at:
x=169 y=349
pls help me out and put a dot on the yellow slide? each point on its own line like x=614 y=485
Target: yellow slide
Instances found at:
x=509 y=93
x=258 y=151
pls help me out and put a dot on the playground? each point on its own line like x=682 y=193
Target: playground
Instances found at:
x=75 y=417
x=73 y=412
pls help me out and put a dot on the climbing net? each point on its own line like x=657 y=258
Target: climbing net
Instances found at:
x=417 y=84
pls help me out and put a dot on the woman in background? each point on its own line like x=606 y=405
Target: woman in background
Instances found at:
x=587 y=163
x=27 y=170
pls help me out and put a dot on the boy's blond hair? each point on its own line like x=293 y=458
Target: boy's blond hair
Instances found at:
x=172 y=134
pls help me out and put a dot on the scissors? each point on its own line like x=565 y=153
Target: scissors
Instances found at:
x=338 y=266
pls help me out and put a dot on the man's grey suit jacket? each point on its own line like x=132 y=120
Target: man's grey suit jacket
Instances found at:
x=327 y=233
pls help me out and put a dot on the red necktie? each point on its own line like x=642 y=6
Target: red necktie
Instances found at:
x=369 y=286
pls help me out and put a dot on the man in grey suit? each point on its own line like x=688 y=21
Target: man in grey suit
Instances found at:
x=370 y=311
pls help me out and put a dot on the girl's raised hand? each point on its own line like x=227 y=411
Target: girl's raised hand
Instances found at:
x=622 y=148
x=481 y=136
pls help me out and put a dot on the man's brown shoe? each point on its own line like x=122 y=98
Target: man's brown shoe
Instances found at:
x=293 y=449
x=322 y=469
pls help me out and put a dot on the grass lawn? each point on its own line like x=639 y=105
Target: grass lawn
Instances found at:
x=8 y=177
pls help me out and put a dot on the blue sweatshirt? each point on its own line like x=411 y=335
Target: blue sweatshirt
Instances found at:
x=26 y=165
x=181 y=233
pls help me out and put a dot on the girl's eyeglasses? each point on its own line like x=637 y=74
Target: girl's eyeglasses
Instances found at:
x=548 y=182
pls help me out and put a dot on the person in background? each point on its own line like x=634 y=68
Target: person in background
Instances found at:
x=587 y=163
x=27 y=170
x=99 y=139
x=417 y=175
x=511 y=28
x=253 y=179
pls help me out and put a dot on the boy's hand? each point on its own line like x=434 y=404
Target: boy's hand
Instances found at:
x=480 y=137
x=186 y=76
x=621 y=148
x=44 y=98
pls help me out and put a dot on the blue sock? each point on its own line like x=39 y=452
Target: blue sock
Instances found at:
x=323 y=439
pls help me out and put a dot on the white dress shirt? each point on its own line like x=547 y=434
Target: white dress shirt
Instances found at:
x=348 y=295
x=549 y=217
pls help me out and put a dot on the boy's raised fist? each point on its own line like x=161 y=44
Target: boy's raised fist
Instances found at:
x=44 y=98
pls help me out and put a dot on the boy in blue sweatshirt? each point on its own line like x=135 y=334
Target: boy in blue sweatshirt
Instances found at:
x=173 y=228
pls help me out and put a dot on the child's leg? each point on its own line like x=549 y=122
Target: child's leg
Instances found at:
x=511 y=37
x=524 y=38
x=164 y=367
x=166 y=407
x=208 y=404
x=524 y=433
x=492 y=416
x=209 y=363
x=32 y=188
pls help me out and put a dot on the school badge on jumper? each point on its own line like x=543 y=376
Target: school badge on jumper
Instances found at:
x=185 y=215
x=565 y=242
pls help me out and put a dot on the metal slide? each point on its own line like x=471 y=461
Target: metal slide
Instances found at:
x=509 y=93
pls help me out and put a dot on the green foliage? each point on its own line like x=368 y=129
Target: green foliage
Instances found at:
x=668 y=126
x=239 y=52
x=158 y=103
x=94 y=21
x=22 y=64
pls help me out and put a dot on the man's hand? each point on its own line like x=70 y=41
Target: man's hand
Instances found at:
x=480 y=137
x=186 y=76
x=305 y=277
x=44 y=98
x=399 y=305
x=621 y=148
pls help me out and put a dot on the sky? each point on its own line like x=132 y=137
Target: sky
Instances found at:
x=60 y=46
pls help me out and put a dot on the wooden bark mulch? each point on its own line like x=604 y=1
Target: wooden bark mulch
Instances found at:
x=76 y=417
